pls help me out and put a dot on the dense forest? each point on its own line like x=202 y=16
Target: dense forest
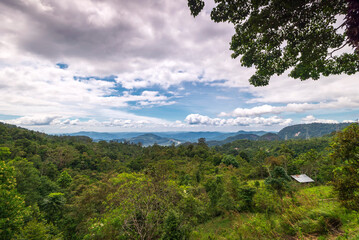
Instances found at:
x=70 y=187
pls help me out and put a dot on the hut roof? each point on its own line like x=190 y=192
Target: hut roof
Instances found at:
x=302 y=178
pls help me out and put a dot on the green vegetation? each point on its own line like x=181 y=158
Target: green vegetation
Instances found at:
x=299 y=36
x=60 y=187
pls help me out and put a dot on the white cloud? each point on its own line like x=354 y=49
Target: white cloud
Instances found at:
x=197 y=119
x=46 y=89
x=255 y=111
x=312 y=119
x=340 y=103
x=223 y=98
x=282 y=89
x=145 y=44
x=33 y=120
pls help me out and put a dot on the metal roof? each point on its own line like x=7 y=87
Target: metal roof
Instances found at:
x=302 y=178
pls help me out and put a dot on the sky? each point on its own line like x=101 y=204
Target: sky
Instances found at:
x=145 y=65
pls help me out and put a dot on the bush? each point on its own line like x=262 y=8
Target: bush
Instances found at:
x=266 y=201
x=172 y=227
x=230 y=160
x=278 y=181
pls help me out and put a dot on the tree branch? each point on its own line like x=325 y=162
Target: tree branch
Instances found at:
x=331 y=53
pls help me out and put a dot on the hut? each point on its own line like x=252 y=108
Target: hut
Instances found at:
x=302 y=178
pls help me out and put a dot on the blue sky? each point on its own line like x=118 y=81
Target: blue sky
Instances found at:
x=142 y=65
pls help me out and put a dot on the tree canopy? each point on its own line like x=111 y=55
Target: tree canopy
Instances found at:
x=301 y=36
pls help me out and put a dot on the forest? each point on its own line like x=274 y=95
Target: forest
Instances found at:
x=70 y=187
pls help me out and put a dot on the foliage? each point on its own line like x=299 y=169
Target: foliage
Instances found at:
x=345 y=150
x=230 y=160
x=172 y=227
x=35 y=230
x=79 y=189
x=28 y=180
x=12 y=204
x=135 y=210
x=275 y=36
x=4 y=153
x=64 y=179
x=352 y=24
x=278 y=181
x=53 y=205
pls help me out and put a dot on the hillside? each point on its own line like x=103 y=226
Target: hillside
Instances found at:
x=150 y=139
x=167 y=138
x=299 y=131
x=234 y=138
x=70 y=187
x=269 y=137
x=305 y=131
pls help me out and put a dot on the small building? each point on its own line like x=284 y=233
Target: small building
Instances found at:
x=302 y=178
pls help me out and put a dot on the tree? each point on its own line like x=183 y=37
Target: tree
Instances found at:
x=135 y=210
x=36 y=230
x=215 y=189
x=53 y=205
x=172 y=227
x=308 y=163
x=28 y=180
x=302 y=36
x=12 y=205
x=345 y=151
x=4 y=153
x=230 y=160
x=64 y=179
x=278 y=181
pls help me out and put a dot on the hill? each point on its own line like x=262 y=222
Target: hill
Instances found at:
x=167 y=138
x=234 y=138
x=305 y=131
x=298 y=131
x=70 y=187
x=269 y=137
x=150 y=139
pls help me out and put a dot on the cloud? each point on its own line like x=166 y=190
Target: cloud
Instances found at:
x=312 y=119
x=340 y=103
x=50 y=90
x=223 y=98
x=283 y=89
x=33 y=120
x=150 y=47
x=197 y=119
x=255 y=111
x=127 y=38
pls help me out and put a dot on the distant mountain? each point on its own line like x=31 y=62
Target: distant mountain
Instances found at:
x=107 y=136
x=269 y=137
x=234 y=138
x=259 y=133
x=299 y=131
x=95 y=135
x=303 y=131
x=194 y=136
x=150 y=139
x=177 y=136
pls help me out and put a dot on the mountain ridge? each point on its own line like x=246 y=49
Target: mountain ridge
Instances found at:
x=297 y=131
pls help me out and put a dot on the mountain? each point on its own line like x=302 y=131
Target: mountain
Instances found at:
x=269 y=137
x=176 y=136
x=259 y=133
x=107 y=136
x=194 y=136
x=304 y=131
x=299 y=131
x=95 y=135
x=234 y=138
x=150 y=139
